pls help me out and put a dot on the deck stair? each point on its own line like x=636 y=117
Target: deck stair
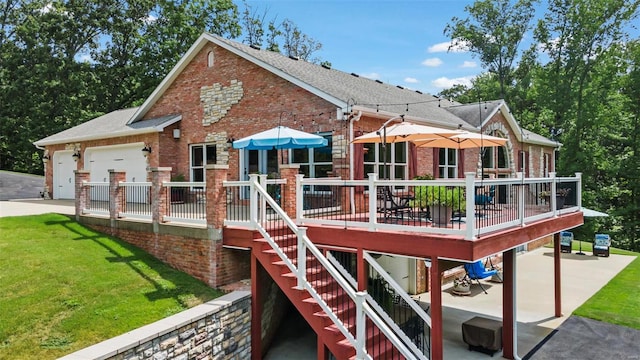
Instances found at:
x=348 y=322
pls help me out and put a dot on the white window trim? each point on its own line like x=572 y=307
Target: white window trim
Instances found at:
x=377 y=164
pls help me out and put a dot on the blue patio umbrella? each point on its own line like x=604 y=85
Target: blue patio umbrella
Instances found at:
x=280 y=137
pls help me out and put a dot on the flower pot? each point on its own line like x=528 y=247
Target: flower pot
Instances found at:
x=441 y=215
x=560 y=202
x=462 y=288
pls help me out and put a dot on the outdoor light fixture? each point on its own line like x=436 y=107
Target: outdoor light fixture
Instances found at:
x=76 y=155
x=146 y=150
x=176 y=133
x=45 y=158
x=230 y=142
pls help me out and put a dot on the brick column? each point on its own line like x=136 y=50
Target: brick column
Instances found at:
x=116 y=200
x=81 y=191
x=216 y=209
x=159 y=198
x=288 y=199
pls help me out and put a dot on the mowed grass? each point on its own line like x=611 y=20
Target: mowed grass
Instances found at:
x=64 y=287
x=618 y=302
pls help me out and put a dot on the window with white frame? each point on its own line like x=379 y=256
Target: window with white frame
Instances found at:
x=396 y=160
x=448 y=163
x=314 y=162
x=201 y=156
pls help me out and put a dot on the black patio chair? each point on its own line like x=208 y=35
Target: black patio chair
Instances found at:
x=392 y=206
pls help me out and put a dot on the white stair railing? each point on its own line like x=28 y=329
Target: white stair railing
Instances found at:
x=304 y=244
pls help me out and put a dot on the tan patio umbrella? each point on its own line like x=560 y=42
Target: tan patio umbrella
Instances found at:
x=461 y=140
x=403 y=132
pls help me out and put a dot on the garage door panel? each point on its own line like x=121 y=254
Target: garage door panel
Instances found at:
x=64 y=178
x=122 y=158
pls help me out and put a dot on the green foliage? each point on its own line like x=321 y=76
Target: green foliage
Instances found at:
x=66 y=287
x=451 y=197
x=492 y=32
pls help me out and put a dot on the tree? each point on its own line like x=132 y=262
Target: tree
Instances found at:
x=285 y=35
x=493 y=32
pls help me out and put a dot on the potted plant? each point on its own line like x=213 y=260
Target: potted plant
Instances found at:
x=462 y=286
x=442 y=200
x=561 y=194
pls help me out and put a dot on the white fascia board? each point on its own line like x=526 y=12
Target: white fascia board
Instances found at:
x=110 y=135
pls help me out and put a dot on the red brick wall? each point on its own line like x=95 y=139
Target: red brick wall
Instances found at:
x=265 y=97
x=203 y=259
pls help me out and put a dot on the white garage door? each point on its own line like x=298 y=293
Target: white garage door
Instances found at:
x=64 y=184
x=127 y=158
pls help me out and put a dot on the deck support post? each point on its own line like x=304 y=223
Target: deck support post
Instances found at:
x=557 y=275
x=509 y=321
x=436 y=310
x=256 y=309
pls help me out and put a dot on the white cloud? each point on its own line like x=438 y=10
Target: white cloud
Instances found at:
x=445 y=82
x=469 y=64
x=85 y=58
x=411 y=80
x=372 y=76
x=448 y=47
x=432 y=62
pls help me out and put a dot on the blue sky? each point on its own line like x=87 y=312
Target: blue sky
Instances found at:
x=399 y=42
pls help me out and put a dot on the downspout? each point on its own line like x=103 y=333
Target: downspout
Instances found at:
x=351 y=120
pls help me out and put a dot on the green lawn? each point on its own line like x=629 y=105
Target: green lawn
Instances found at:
x=64 y=287
x=618 y=302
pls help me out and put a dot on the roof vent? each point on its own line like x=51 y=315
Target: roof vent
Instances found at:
x=254 y=46
x=326 y=66
x=399 y=87
x=354 y=74
x=419 y=92
x=379 y=81
x=294 y=57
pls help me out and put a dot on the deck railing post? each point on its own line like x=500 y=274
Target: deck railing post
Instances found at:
x=361 y=331
x=160 y=195
x=521 y=199
x=82 y=191
x=263 y=201
x=299 y=198
x=552 y=198
x=373 y=201
x=216 y=195
x=469 y=180
x=116 y=192
x=302 y=258
x=253 y=200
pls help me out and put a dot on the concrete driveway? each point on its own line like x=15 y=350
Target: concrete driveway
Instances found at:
x=20 y=195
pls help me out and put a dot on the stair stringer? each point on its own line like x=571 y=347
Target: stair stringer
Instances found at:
x=309 y=309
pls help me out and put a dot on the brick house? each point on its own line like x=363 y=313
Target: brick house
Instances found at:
x=221 y=90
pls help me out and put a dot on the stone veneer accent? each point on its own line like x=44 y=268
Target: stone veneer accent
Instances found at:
x=217 y=100
x=222 y=148
x=339 y=150
x=510 y=151
x=218 y=329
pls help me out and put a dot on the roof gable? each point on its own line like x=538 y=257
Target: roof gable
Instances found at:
x=478 y=114
x=336 y=87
